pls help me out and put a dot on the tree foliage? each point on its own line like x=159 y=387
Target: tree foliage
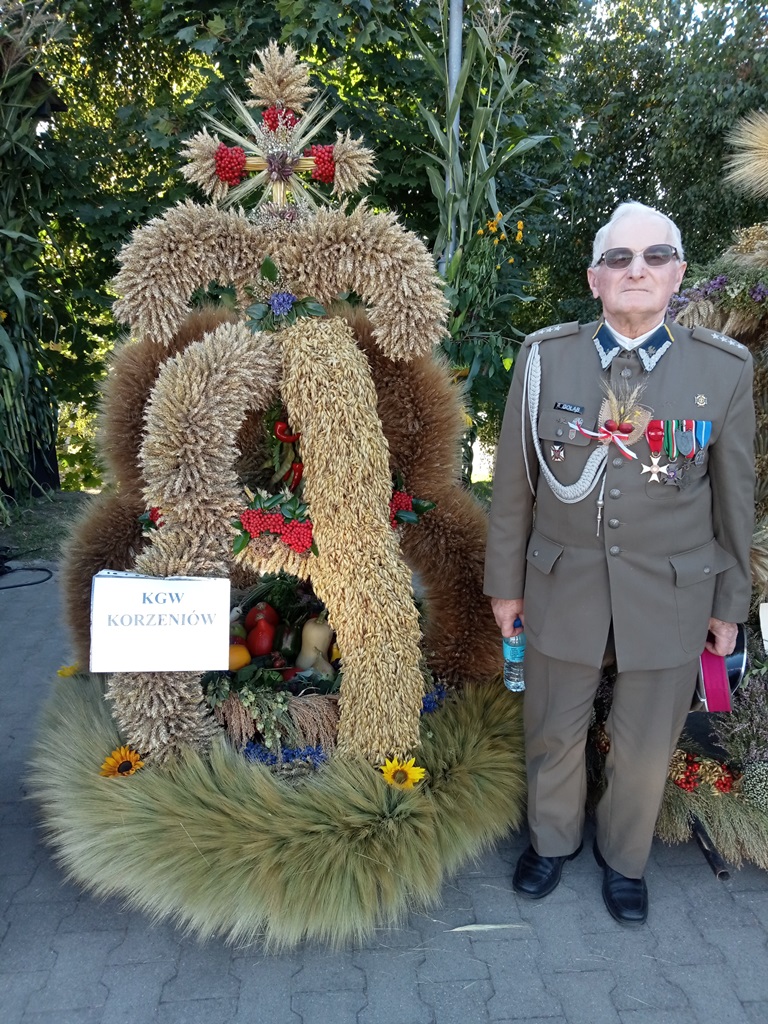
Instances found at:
x=647 y=96
x=136 y=76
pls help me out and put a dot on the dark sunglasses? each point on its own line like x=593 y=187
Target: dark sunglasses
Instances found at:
x=654 y=256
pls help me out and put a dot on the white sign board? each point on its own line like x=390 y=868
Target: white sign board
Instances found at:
x=764 y=624
x=159 y=624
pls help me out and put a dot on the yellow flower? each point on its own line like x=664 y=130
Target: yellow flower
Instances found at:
x=492 y=226
x=511 y=259
x=68 y=670
x=498 y=266
x=495 y=241
x=520 y=225
x=498 y=215
x=122 y=761
x=402 y=774
x=480 y=231
x=503 y=236
x=519 y=236
x=3 y=315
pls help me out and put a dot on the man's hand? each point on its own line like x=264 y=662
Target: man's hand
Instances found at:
x=724 y=637
x=505 y=611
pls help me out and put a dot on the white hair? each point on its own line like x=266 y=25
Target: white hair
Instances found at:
x=626 y=210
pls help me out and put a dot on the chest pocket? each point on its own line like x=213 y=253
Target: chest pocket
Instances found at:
x=553 y=426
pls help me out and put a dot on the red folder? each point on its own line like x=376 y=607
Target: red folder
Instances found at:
x=712 y=686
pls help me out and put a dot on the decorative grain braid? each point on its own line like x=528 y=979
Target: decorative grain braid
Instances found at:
x=595 y=466
x=358 y=572
x=188 y=455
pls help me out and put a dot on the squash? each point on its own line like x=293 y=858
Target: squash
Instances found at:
x=315 y=640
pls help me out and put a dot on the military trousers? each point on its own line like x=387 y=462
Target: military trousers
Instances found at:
x=647 y=715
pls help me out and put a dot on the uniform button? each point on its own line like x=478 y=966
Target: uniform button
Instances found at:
x=615 y=550
x=626 y=372
x=614 y=524
x=707 y=570
x=559 y=432
x=615 y=492
x=618 y=461
x=535 y=553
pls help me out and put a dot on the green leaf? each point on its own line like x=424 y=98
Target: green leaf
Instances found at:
x=268 y=270
x=10 y=354
x=421 y=505
x=241 y=542
x=312 y=308
x=257 y=311
x=405 y=515
x=16 y=287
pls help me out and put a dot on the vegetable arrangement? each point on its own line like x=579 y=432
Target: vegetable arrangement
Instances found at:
x=285 y=644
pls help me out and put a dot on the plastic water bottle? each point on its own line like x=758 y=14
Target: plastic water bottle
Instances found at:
x=514 y=653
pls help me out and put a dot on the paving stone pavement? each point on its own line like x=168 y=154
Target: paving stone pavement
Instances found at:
x=482 y=955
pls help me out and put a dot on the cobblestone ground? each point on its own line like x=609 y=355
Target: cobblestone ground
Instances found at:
x=483 y=955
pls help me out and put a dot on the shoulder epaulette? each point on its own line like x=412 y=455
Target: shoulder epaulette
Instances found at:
x=555 y=331
x=721 y=341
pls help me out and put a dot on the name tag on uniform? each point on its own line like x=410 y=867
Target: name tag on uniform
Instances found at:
x=577 y=410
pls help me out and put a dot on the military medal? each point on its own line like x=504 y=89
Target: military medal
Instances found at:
x=684 y=439
x=670 y=444
x=557 y=452
x=654 y=435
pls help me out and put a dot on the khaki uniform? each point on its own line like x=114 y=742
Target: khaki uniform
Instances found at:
x=662 y=561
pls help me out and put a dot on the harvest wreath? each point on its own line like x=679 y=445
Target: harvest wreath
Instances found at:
x=278 y=443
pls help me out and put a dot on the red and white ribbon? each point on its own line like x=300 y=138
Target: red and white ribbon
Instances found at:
x=606 y=436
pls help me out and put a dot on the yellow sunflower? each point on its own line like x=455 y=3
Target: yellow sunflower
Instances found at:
x=402 y=774
x=122 y=761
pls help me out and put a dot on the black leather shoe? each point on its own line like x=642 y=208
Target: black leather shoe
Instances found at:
x=625 y=898
x=537 y=876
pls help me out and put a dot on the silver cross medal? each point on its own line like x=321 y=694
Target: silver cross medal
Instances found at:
x=655 y=469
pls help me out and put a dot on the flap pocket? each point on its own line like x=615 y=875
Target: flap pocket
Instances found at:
x=553 y=426
x=542 y=552
x=700 y=564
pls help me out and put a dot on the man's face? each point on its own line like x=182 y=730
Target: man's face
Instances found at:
x=638 y=294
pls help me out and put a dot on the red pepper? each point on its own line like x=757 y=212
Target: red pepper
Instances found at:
x=283 y=433
x=294 y=475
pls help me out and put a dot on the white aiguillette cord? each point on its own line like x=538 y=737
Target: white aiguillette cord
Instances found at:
x=595 y=466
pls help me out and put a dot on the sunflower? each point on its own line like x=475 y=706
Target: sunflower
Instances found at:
x=402 y=774
x=122 y=761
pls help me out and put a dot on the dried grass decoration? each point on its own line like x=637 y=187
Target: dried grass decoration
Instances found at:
x=226 y=847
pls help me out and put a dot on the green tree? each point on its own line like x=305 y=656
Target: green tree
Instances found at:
x=647 y=96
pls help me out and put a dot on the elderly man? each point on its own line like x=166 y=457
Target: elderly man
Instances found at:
x=620 y=528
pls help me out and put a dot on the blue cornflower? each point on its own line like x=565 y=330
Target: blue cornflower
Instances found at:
x=258 y=752
x=281 y=302
x=758 y=292
x=263 y=755
x=433 y=700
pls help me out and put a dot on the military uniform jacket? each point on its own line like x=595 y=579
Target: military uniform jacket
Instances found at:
x=665 y=557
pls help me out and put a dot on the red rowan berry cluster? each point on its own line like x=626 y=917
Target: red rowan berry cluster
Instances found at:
x=297 y=535
x=230 y=164
x=725 y=782
x=325 y=166
x=256 y=521
x=689 y=778
x=273 y=117
x=399 y=502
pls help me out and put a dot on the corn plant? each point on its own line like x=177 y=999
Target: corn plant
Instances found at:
x=27 y=412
